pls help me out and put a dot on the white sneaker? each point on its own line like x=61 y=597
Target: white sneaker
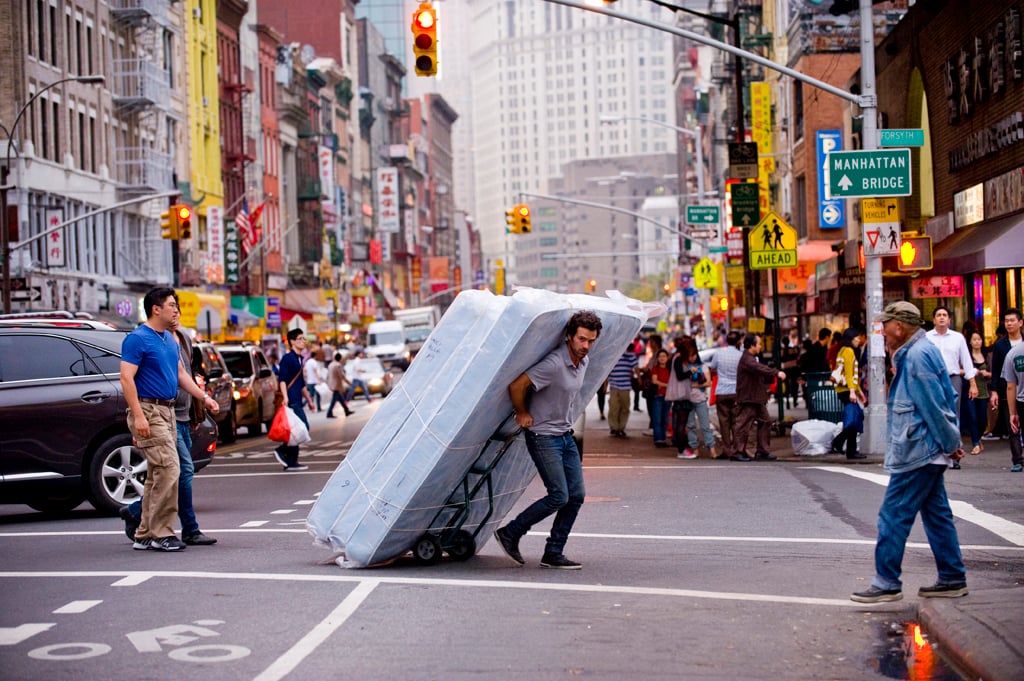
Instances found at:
x=686 y=454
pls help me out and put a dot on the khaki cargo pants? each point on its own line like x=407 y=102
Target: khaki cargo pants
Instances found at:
x=160 y=498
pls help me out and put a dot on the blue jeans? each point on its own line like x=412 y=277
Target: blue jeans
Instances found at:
x=186 y=511
x=290 y=453
x=659 y=417
x=561 y=469
x=918 y=491
x=358 y=383
x=699 y=413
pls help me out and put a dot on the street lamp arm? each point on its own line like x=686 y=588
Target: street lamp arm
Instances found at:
x=694 y=133
x=732 y=23
x=34 y=97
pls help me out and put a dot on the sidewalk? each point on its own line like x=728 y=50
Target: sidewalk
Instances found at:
x=982 y=634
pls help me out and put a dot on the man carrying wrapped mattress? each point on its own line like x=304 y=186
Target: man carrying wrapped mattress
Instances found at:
x=545 y=414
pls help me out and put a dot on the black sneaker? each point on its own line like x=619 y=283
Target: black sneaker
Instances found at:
x=875 y=595
x=199 y=539
x=130 y=523
x=509 y=545
x=171 y=543
x=142 y=544
x=280 y=459
x=940 y=590
x=557 y=561
x=765 y=456
x=741 y=456
x=856 y=455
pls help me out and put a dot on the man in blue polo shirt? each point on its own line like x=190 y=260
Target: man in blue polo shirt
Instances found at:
x=546 y=416
x=151 y=374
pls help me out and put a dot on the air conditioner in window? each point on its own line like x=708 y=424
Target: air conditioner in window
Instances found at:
x=197 y=12
x=206 y=101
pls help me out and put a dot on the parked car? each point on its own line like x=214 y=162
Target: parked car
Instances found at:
x=212 y=375
x=255 y=385
x=64 y=418
x=372 y=371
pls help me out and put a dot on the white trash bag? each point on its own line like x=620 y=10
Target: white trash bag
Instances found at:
x=300 y=434
x=814 y=438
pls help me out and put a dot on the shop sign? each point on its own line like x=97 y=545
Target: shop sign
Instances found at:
x=969 y=206
x=387 y=199
x=794 y=281
x=214 y=270
x=987 y=141
x=1004 y=194
x=982 y=69
x=54 y=240
x=851 y=278
x=734 y=242
x=938 y=287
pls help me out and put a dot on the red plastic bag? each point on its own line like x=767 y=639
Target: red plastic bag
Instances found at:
x=280 y=431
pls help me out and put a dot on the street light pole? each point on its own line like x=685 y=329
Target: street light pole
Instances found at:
x=5 y=227
x=697 y=134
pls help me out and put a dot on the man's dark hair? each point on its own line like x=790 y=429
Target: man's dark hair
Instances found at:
x=294 y=333
x=749 y=341
x=157 y=297
x=1013 y=311
x=656 y=341
x=824 y=333
x=588 y=320
x=733 y=338
x=941 y=308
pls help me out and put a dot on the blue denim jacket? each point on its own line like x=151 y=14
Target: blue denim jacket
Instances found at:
x=923 y=422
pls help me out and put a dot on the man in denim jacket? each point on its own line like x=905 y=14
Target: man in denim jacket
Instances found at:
x=923 y=440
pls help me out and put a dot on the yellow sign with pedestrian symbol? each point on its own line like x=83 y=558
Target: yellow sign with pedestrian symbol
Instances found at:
x=772 y=244
x=706 y=274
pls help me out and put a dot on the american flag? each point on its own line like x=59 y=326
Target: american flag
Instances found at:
x=245 y=231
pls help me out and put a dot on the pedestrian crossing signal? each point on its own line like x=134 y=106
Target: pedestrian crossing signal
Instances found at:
x=915 y=254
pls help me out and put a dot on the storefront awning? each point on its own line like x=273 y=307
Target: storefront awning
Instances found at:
x=992 y=245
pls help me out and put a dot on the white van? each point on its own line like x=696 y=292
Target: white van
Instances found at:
x=386 y=341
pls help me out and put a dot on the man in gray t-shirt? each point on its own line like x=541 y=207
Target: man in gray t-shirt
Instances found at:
x=545 y=414
x=1013 y=374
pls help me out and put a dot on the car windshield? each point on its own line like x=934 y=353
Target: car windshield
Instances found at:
x=238 y=363
x=386 y=338
x=365 y=367
x=416 y=335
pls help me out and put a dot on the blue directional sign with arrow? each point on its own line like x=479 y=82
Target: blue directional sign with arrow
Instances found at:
x=831 y=211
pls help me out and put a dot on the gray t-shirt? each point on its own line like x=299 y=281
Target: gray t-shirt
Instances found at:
x=1013 y=369
x=183 y=404
x=556 y=386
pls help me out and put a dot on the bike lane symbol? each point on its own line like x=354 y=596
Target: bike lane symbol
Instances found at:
x=174 y=636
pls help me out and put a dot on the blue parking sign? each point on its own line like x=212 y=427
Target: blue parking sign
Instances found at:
x=831 y=212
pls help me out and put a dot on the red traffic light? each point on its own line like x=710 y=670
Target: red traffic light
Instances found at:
x=425 y=18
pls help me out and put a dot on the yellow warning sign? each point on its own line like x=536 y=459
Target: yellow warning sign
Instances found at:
x=772 y=244
x=705 y=274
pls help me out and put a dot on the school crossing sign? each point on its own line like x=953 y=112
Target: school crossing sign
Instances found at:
x=772 y=244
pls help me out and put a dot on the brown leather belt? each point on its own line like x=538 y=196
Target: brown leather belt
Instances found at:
x=159 y=403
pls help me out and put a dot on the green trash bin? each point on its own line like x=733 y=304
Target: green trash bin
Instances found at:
x=822 y=402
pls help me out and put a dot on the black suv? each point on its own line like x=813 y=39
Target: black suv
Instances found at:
x=255 y=385
x=212 y=374
x=63 y=418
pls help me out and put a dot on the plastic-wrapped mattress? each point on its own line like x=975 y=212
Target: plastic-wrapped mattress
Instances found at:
x=440 y=418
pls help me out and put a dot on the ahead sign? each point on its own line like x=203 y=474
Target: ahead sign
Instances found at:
x=882 y=172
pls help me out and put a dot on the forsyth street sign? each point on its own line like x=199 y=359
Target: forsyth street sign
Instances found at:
x=881 y=172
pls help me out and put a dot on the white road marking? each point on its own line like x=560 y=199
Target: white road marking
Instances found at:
x=75 y=607
x=1001 y=527
x=12 y=636
x=133 y=579
x=474 y=583
x=255 y=523
x=305 y=646
x=282 y=511
x=305 y=502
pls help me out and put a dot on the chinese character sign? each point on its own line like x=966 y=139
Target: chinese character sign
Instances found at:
x=232 y=254
x=215 y=244
x=325 y=158
x=387 y=199
x=55 y=240
x=761 y=116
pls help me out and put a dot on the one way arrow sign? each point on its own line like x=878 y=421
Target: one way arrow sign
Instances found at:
x=27 y=295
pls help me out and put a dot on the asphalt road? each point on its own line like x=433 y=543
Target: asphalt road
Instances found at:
x=692 y=570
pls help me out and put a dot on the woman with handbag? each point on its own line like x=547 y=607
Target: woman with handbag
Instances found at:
x=700 y=379
x=847 y=379
x=658 y=405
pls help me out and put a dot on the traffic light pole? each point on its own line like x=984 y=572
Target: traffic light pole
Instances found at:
x=874 y=416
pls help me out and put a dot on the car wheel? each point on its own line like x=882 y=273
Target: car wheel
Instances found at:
x=257 y=427
x=117 y=474
x=228 y=430
x=57 y=504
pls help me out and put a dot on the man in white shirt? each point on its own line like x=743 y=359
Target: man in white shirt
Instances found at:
x=954 y=352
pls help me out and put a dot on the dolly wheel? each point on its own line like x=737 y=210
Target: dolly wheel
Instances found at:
x=463 y=546
x=427 y=549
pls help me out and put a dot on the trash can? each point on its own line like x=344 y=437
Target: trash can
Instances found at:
x=822 y=402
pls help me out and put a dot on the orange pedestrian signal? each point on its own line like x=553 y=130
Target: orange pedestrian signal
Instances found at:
x=424 y=39
x=915 y=254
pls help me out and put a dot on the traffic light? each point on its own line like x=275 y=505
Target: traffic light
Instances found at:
x=424 y=39
x=521 y=219
x=510 y=220
x=915 y=254
x=184 y=219
x=591 y=285
x=169 y=223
